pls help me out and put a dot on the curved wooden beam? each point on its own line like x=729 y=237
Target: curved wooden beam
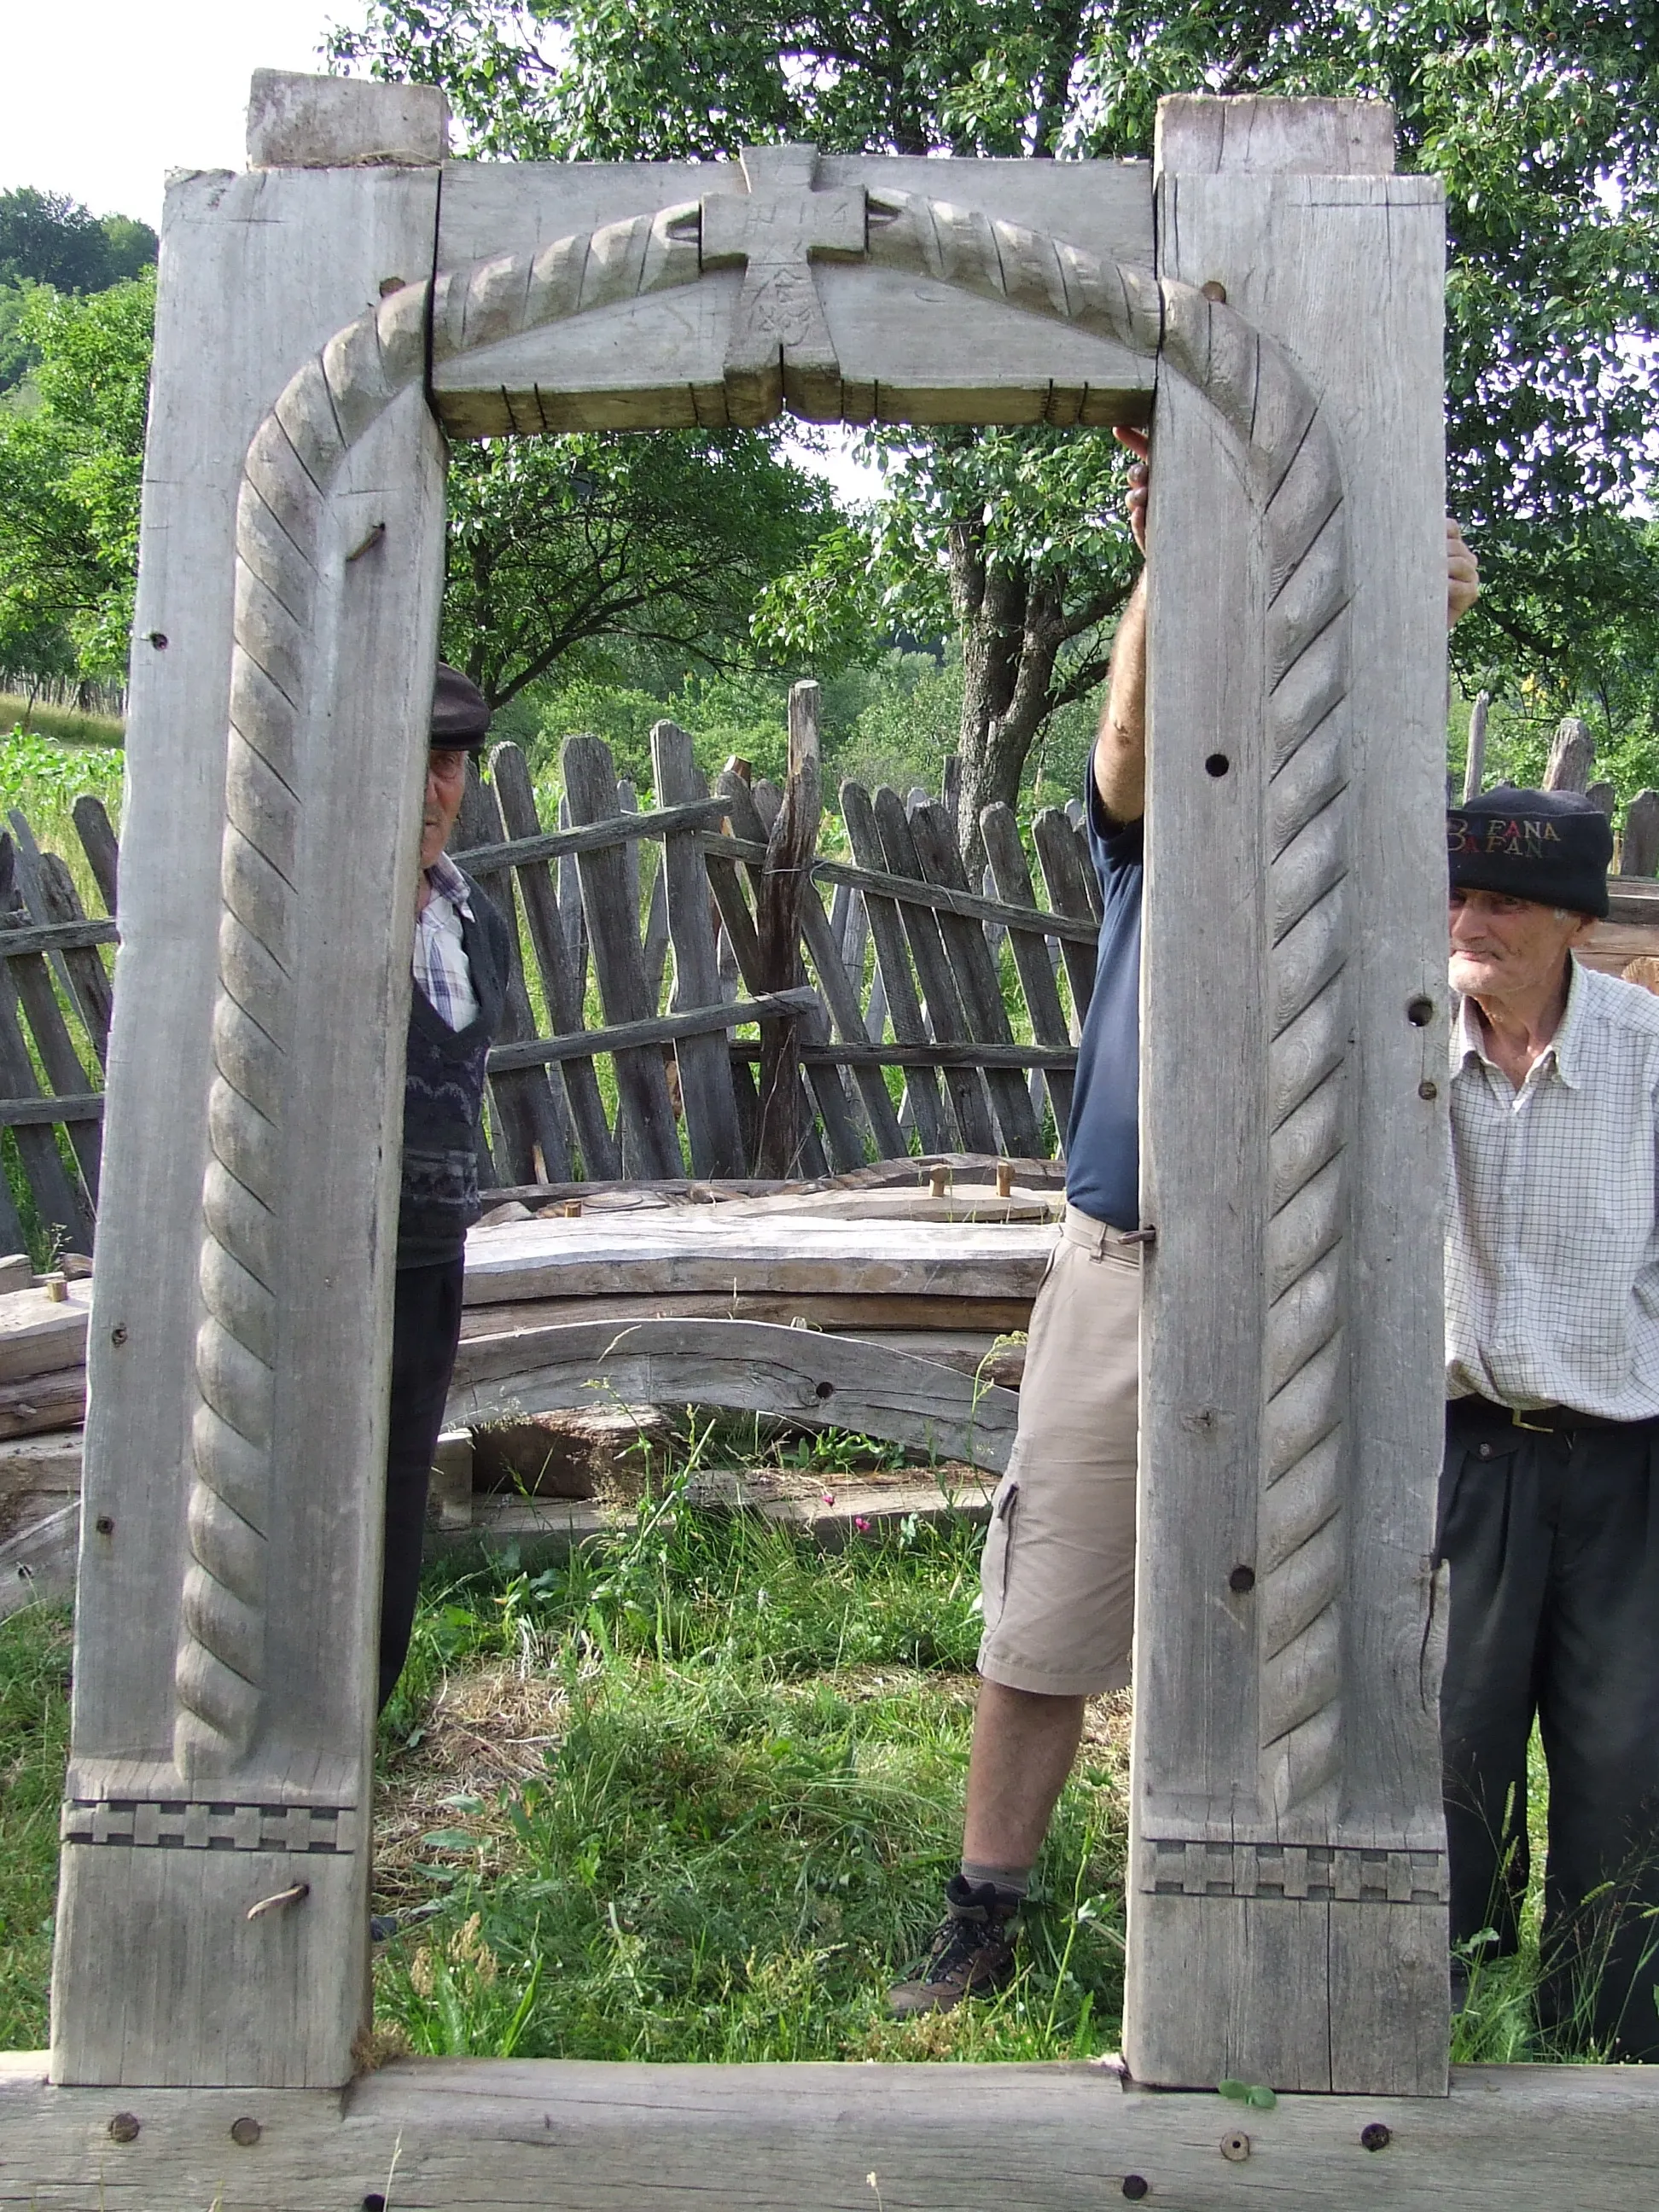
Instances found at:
x=749 y=1366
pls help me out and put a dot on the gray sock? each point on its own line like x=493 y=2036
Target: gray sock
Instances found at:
x=1012 y=1881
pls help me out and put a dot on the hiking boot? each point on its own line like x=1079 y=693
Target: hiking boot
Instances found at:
x=972 y=1954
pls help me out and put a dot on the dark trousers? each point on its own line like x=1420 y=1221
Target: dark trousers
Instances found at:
x=1553 y=1546
x=426 y=1327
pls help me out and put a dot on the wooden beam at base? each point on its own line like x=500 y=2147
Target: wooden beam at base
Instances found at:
x=466 y=2134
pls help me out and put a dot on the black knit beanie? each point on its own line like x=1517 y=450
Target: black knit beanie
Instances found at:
x=1551 y=846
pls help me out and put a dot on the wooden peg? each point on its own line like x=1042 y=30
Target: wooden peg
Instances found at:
x=939 y=1181
x=1004 y=1178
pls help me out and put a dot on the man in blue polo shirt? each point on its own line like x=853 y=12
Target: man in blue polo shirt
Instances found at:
x=1057 y=1576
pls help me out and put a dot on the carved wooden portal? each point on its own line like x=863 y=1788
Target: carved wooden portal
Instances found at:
x=322 y=323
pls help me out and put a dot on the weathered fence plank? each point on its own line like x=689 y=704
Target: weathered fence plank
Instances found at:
x=705 y=1067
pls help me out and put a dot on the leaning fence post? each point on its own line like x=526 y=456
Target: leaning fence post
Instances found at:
x=790 y=846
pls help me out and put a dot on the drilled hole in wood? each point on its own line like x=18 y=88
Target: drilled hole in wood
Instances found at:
x=1242 y=1579
x=1420 y=1012
x=1217 y=764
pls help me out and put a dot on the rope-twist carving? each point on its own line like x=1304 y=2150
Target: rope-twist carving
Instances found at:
x=294 y=458
x=292 y=464
x=1291 y=471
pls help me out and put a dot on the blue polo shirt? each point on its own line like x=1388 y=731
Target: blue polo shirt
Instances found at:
x=1102 y=1144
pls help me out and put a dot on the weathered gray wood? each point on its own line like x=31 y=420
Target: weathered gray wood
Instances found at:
x=1066 y=880
x=1475 y=761
x=55 y=1400
x=1640 y=855
x=28 y=870
x=1572 y=750
x=17 y=936
x=912 y=891
x=1249 y=134
x=963 y=1055
x=1012 y=875
x=646 y=1113
x=790 y=846
x=297 y=122
x=560 y=977
x=844 y=1313
x=654 y=1029
x=37 y=1565
x=751 y=1366
x=902 y=1005
x=77 y=1106
x=1287 y=1877
x=158 y=1972
x=473 y=2135
x=964 y=1087
x=30 y=988
x=1604 y=795
x=711 y=1107
x=89 y=978
x=902 y=343
x=933 y=827
x=63 y=1209
x=38 y=1333
x=521 y=1105
x=626 y=827
x=840 y=991
x=91 y=826
x=695 y=1248
x=740 y=932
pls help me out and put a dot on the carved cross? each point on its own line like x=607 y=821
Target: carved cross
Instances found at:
x=779 y=340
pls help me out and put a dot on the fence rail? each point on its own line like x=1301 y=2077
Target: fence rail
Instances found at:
x=686 y=997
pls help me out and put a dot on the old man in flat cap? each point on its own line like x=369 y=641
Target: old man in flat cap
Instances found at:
x=460 y=974
x=1549 y=1508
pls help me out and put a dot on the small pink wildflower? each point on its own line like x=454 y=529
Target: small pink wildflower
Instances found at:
x=860 y=1524
x=828 y=1497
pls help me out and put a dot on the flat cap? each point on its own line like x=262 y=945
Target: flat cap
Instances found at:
x=460 y=713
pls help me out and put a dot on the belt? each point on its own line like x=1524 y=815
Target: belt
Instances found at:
x=1099 y=1238
x=1544 y=1420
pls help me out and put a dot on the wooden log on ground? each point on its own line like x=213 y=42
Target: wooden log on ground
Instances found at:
x=38 y=1333
x=37 y=1565
x=749 y=1366
x=851 y=1315
x=475 y=2135
x=696 y=1250
x=56 y=1400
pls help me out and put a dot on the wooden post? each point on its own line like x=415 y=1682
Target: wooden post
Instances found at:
x=1287 y=1923
x=1640 y=856
x=1474 y=763
x=790 y=846
x=1572 y=750
x=229 y=1572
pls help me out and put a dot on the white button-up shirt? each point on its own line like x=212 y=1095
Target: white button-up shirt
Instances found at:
x=1551 y=1250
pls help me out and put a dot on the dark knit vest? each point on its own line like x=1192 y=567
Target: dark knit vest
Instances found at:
x=443 y=1100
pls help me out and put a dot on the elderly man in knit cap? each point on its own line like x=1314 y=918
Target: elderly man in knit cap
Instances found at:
x=460 y=973
x=1549 y=1508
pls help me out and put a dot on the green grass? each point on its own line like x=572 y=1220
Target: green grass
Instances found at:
x=739 y=1831
x=34 y=1678
x=66 y=725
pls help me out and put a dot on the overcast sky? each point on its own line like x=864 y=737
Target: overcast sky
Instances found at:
x=104 y=98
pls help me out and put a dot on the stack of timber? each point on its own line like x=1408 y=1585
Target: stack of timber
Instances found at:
x=43 y=1396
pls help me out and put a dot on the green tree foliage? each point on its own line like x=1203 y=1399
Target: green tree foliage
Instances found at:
x=70 y=472
x=1541 y=119
x=50 y=239
x=559 y=545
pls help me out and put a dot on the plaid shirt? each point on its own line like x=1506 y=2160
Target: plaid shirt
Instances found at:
x=440 y=968
x=1552 y=1251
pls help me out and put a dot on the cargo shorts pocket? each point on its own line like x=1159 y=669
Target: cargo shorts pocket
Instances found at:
x=999 y=1546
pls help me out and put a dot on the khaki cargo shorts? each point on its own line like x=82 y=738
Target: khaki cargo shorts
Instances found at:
x=1057 y=1577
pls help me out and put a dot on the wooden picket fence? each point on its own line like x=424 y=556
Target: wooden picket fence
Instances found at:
x=763 y=1046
